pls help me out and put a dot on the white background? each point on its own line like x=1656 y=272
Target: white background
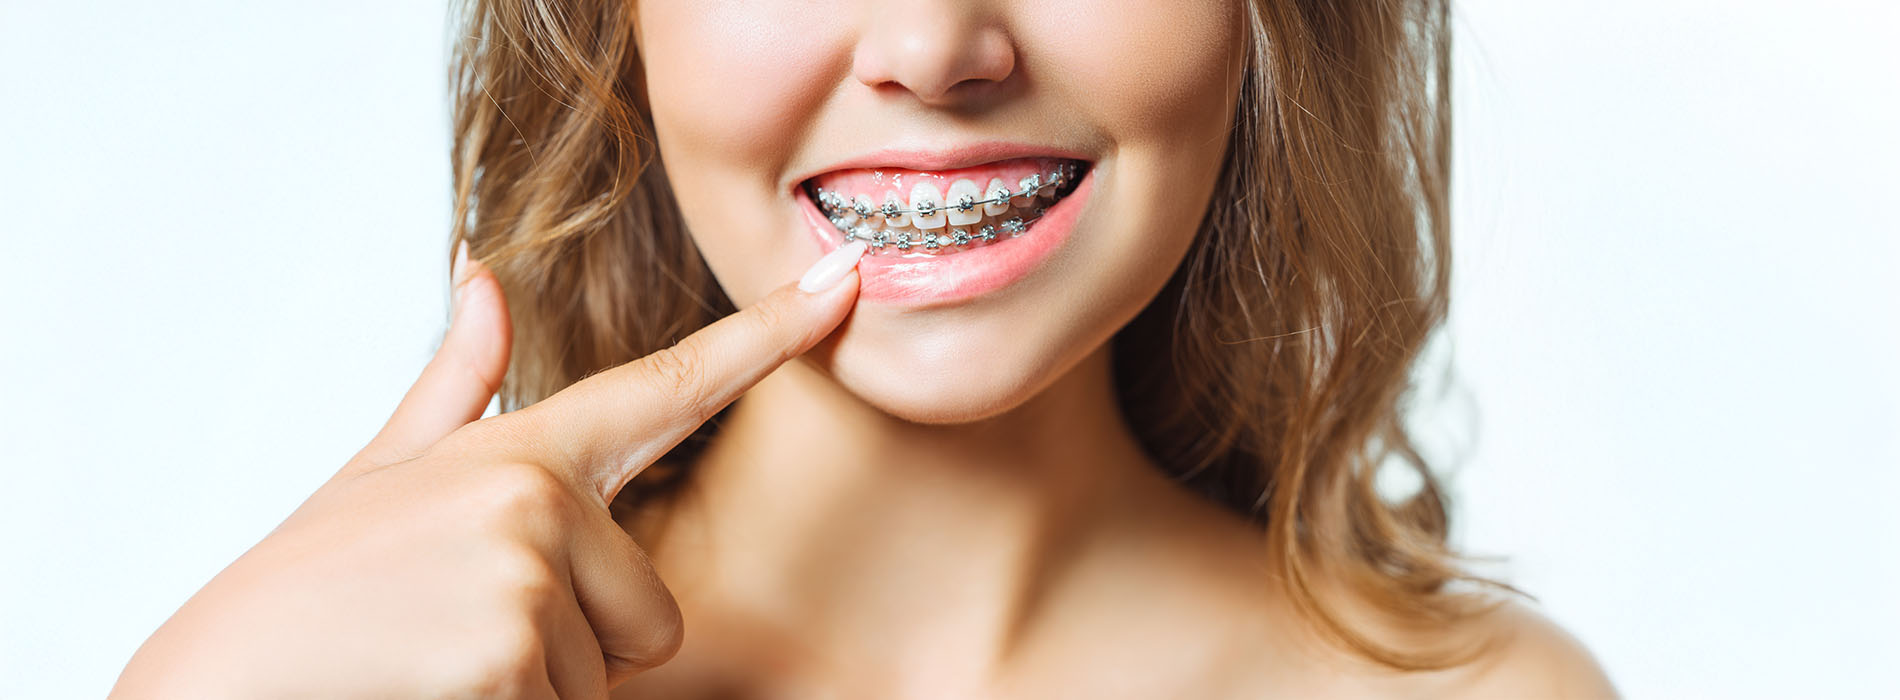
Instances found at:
x=1676 y=320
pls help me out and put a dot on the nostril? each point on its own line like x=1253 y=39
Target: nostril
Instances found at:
x=938 y=57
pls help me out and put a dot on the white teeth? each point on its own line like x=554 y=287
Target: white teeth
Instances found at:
x=1026 y=191
x=946 y=221
x=999 y=194
x=925 y=197
x=841 y=209
x=962 y=194
x=892 y=203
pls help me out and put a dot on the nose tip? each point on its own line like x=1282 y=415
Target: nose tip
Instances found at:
x=935 y=51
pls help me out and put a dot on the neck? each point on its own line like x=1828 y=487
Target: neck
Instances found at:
x=813 y=511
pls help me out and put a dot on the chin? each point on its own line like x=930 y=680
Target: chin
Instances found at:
x=933 y=386
x=951 y=397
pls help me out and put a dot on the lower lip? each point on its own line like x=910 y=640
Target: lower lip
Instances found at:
x=923 y=279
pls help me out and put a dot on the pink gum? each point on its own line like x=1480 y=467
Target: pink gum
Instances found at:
x=877 y=182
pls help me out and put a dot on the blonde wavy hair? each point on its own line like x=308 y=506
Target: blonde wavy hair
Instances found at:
x=1270 y=374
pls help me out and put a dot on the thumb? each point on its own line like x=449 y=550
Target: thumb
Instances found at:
x=464 y=375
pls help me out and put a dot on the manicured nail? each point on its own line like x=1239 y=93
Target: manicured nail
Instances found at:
x=831 y=268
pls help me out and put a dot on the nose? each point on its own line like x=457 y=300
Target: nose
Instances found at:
x=940 y=51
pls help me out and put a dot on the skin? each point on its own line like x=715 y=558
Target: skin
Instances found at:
x=849 y=77
x=858 y=529
x=796 y=549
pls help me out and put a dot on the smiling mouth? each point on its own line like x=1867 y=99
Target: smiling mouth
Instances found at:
x=899 y=212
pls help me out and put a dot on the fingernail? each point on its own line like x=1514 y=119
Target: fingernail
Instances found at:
x=456 y=272
x=831 y=268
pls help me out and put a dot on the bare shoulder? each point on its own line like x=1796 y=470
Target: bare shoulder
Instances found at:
x=1269 y=645
x=1532 y=657
x=1523 y=655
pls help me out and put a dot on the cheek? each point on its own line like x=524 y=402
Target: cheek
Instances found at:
x=1147 y=71
x=734 y=88
x=734 y=82
x=1160 y=80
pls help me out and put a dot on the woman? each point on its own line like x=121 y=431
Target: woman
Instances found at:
x=1106 y=315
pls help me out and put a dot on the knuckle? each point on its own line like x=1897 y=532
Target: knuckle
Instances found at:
x=660 y=637
x=677 y=376
x=667 y=630
x=508 y=661
x=517 y=492
x=476 y=372
x=526 y=578
x=665 y=627
x=509 y=654
x=767 y=318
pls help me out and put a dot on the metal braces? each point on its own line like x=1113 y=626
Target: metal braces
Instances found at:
x=1031 y=184
x=879 y=238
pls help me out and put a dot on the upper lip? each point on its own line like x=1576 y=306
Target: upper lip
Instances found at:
x=944 y=158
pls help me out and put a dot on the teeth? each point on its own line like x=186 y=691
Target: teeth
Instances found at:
x=890 y=208
x=999 y=196
x=968 y=214
x=962 y=198
x=1026 y=191
x=927 y=202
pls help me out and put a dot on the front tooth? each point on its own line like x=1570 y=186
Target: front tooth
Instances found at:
x=963 y=193
x=925 y=197
x=998 y=196
x=891 y=205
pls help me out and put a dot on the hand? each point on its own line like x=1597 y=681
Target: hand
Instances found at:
x=457 y=557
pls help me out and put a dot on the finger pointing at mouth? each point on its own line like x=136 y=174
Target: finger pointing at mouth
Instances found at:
x=603 y=430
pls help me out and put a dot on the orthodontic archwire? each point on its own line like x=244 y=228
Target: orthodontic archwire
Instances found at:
x=1031 y=184
x=931 y=240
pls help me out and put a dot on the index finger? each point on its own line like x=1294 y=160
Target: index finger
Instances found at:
x=603 y=430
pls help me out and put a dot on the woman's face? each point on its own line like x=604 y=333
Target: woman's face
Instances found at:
x=775 y=120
